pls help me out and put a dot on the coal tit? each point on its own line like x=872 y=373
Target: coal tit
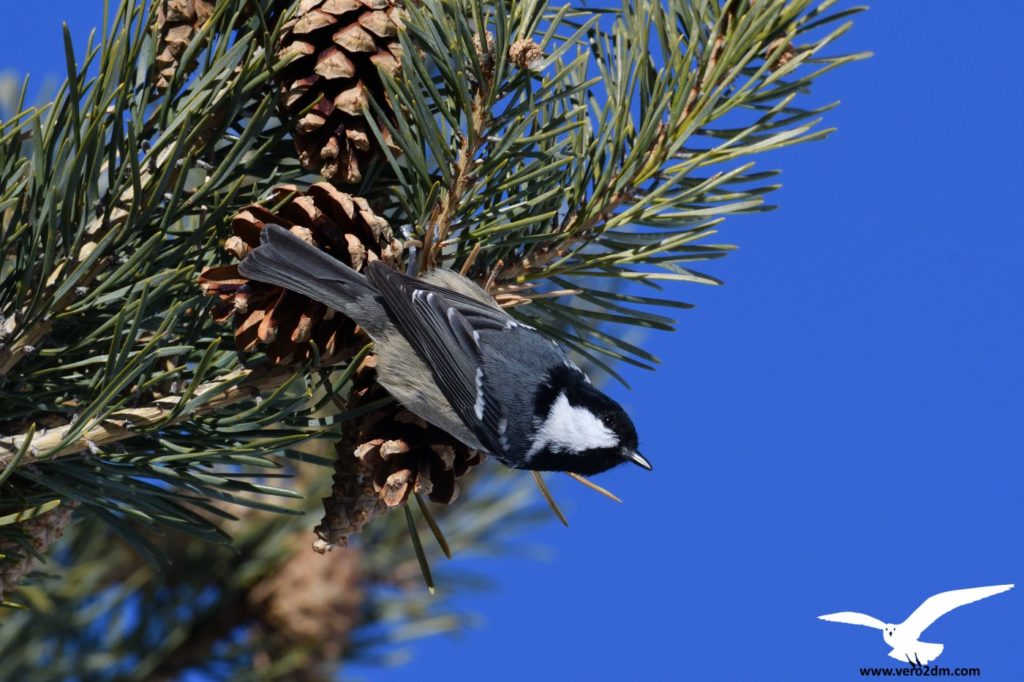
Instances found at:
x=451 y=355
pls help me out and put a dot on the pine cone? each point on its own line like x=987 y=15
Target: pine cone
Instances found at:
x=40 y=532
x=312 y=599
x=336 y=47
x=341 y=225
x=176 y=21
x=385 y=456
x=353 y=502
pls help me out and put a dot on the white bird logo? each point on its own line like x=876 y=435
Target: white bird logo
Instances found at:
x=903 y=637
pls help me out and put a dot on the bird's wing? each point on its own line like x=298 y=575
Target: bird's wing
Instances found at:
x=443 y=328
x=853 y=618
x=942 y=603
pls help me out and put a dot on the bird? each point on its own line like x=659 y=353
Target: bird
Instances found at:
x=451 y=355
x=904 y=637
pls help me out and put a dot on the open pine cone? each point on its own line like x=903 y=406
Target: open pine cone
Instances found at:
x=286 y=322
x=337 y=47
x=384 y=457
x=176 y=21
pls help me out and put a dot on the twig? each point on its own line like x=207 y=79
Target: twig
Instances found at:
x=728 y=12
x=125 y=424
x=33 y=335
x=96 y=229
x=535 y=261
x=440 y=223
x=576 y=234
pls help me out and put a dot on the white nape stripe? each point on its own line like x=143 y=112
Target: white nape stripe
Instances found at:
x=573 y=366
x=571 y=429
x=478 y=407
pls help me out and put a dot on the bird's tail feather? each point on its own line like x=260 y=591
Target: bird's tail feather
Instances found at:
x=285 y=260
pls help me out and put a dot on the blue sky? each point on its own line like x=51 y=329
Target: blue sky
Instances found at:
x=839 y=427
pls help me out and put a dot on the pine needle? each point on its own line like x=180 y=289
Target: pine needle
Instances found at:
x=421 y=556
x=539 y=480
x=593 y=486
x=434 y=527
x=325 y=379
x=470 y=259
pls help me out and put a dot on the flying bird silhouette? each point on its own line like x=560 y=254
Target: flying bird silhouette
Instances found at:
x=903 y=637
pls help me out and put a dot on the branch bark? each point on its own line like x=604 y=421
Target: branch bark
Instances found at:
x=440 y=222
x=128 y=423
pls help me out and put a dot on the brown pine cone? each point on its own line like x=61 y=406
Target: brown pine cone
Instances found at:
x=336 y=47
x=385 y=456
x=176 y=21
x=312 y=600
x=40 y=532
x=286 y=322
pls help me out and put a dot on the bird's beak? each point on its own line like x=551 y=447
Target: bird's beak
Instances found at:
x=638 y=459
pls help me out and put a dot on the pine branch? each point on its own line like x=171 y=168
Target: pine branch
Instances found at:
x=87 y=267
x=555 y=154
x=587 y=159
x=243 y=385
x=268 y=603
x=602 y=207
x=104 y=196
x=440 y=223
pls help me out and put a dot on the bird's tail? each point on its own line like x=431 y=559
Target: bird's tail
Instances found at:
x=285 y=260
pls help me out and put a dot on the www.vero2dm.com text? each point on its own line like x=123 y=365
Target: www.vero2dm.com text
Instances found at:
x=920 y=671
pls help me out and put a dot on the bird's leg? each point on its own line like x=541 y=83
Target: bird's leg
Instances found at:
x=918 y=659
x=910 y=662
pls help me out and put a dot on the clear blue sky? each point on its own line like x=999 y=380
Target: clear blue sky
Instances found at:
x=839 y=427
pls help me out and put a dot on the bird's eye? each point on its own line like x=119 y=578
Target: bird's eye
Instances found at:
x=608 y=420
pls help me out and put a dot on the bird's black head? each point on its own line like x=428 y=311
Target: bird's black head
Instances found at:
x=579 y=428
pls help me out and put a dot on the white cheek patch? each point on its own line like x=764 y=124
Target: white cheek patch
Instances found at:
x=571 y=429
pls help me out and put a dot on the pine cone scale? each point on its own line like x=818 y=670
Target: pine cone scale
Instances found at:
x=332 y=63
x=334 y=50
